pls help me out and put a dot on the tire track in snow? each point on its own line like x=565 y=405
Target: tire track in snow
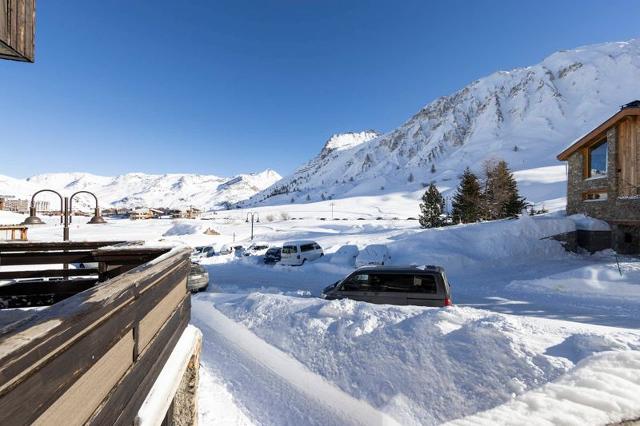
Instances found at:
x=307 y=384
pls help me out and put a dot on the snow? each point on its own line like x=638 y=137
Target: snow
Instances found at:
x=162 y=392
x=143 y=190
x=603 y=389
x=182 y=228
x=587 y=223
x=527 y=314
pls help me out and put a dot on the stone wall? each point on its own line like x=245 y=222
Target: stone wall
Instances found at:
x=613 y=209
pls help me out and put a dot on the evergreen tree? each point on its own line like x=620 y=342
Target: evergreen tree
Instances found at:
x=410 y=178
x=467 y=202
x=433 y=168
x=431 y=208
x=501 y=197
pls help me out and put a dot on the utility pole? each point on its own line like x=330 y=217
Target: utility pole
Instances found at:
x=254 y=218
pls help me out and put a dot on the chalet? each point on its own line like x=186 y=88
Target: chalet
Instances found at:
x=140 y=214
x=604 y=177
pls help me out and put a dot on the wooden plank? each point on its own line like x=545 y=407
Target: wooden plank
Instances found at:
x=3 y=20
x=123 y=403
x=45 y=258
x=77 y=404
x=152 y=322
x=29 y=25
x=45 y=287
x=48 y=273
x=60 y=245
x=35 y=371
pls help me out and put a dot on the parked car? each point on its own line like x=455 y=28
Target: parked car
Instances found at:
x=238 y=251
x=296 y=253
x=273 y=255
x=397 y=285
x=198 y=278
x=345 y=255
x=256 y=249
x=202 y=251
x=225 y=249
x=374 y=254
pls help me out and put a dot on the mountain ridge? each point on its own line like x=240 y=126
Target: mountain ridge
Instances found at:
x=525 y=116
x=172 y=190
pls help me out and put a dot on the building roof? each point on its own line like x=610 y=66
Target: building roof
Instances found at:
x=630 y=109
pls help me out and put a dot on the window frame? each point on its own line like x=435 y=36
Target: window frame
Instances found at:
x=588 y=159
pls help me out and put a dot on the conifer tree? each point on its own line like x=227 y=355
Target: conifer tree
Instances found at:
x=431 y=208
x=501 y=197
x=467 y=202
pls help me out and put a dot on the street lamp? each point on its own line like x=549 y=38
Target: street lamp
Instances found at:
x=97 y=217
x=254 y=217
x=65 y=212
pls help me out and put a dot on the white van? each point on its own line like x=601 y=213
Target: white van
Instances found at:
x=295 y=253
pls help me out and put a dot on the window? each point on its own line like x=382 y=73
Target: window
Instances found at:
x=597 y=159
x=391 y=282
x=306 y=247
x=316 y=246
x=358 y=282
x=289 y=249
x=594 y=196
x=425 y=284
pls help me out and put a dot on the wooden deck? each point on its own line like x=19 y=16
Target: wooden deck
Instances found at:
x=94 y=354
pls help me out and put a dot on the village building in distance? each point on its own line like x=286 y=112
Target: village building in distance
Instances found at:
x=604 y=180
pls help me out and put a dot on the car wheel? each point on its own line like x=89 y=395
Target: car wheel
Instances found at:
x=303 y=261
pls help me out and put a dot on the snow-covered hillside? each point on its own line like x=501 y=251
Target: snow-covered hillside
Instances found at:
x=139 y=189
x=525 y=116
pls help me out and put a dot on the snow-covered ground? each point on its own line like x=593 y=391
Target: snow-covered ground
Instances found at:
x=536 y=334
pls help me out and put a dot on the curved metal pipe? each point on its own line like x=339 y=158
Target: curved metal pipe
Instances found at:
x=71 y=202
x=33 y=202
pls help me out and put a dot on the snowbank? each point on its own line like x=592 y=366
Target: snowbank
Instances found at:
x=610 y=280
x=587 y=223
x=489 y=243
x=602 y=389
x=182 y=228
x=417 y=365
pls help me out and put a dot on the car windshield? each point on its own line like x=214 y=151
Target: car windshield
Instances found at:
x=289 y=249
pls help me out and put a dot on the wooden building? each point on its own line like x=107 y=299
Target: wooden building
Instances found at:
x=604 y=176
x=17 y=30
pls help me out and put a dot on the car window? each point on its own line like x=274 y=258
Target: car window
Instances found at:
x=316 y=246
x=394 y=282
x=425 y=284
x=359 y=282
x=306 y=247
x=289 y=249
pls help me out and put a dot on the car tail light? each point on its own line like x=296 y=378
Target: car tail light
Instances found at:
x=447 y=302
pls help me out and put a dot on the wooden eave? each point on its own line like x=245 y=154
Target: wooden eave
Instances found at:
x=596 y=133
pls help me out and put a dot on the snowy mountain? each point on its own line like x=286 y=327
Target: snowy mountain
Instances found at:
x=525 y=116
x=139 y=189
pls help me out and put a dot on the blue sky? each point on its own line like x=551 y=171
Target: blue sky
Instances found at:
x=224 y=87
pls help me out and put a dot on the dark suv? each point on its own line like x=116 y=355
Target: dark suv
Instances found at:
x=396 y=285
